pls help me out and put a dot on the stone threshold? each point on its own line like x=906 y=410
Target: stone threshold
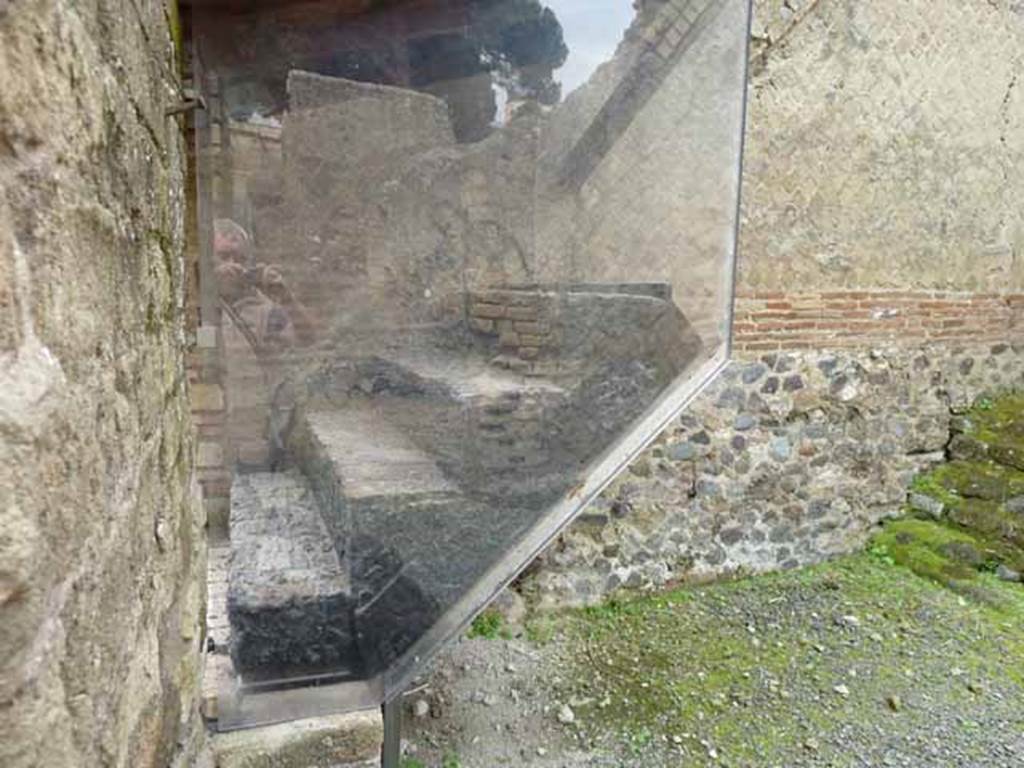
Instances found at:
x=350 y=740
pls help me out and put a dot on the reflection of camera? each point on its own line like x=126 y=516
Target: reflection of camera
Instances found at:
x=253 y=276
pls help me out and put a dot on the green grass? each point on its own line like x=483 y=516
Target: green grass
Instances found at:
x=489 y=625
x=448 y=761
x=933 y=550
x=541 y=628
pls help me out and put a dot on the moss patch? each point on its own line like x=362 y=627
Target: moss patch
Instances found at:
x=976 y=494
x=1000 y=531
x=948 y=555
x=999 y=420
x=993 y=429
x=960 y=480
x=930 y=485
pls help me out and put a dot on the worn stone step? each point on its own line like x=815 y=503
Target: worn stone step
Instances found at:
x=355 y=456
x=475 y=381
x=303 y=603
x=351 y=740
x=374 y=481
x=390 y=510
x=289 y=597
x=488 y=414
x=378 y=486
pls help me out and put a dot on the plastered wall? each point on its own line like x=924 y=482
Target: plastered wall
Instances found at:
x=885 y=145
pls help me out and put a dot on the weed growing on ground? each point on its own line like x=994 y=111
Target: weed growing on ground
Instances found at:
x=489 y=625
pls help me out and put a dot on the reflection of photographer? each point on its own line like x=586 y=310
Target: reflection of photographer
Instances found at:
x=257 y=294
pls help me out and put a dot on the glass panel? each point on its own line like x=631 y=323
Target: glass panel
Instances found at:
x=468 y=255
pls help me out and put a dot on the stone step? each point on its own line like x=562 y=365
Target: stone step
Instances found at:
x=490 y=428
x=303 y=603
x=451 y=407
x=351 y=740
x=389 y=507
x=289 y=597
x=376 y=485
x=356 y=457
x=470 y=380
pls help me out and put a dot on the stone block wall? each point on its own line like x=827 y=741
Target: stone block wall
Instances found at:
x=101 y=554
x=214 y=451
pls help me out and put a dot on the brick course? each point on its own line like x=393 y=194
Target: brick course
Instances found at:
x=775 y=320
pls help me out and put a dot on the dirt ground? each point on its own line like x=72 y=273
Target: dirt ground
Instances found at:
x=857 y=662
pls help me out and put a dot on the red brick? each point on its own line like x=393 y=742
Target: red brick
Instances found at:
x=774 y=316
x=844 y=295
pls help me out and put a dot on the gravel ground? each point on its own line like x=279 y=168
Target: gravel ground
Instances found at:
x=858 y=662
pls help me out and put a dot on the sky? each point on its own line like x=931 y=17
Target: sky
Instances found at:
x=592 y=29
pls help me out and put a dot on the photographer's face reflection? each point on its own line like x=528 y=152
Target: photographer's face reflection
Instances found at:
x=231 y=251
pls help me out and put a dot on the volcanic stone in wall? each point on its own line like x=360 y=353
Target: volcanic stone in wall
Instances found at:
x=289 y=600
